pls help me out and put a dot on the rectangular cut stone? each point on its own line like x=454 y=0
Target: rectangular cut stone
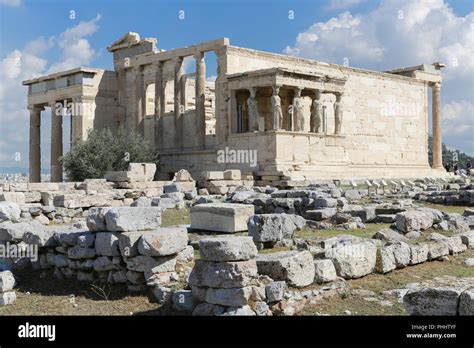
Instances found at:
x=120 y=176
x=223 y=274
x=72 y=200
x=418 y=254
x=295 y=267
x=229 y=297
x=213 y=175
x=221 y=217
x=122 y=219
x=227 y=248
x=232 y=174
x=15 y=197
x=164 y=241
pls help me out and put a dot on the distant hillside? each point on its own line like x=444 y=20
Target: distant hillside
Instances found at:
x=448 y=154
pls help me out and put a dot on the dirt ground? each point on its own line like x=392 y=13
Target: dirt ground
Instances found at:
x=48 y=296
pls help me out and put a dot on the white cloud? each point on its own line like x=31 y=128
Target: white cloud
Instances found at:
x=402 y=33
x=12 y=3
x=76 y=49
x=24 y=64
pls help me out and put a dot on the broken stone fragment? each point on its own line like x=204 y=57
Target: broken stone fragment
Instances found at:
x=227 y=248
x=164 y=241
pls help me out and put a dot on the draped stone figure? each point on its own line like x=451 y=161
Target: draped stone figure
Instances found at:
x=337 y=114
x=277 y=114
x=298 y=117
x=316 y=114
x=253 y=110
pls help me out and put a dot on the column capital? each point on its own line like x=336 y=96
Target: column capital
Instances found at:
x=178 y=60
x=436 y=85
x=35 y=107
x=198 y=55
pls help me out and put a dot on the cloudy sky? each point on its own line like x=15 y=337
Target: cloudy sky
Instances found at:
x=40 y=37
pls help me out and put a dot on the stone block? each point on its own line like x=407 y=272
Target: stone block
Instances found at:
x=123 y=219
x=9 y=211
x=385 y=261
x=413 y=220
x=227 y=248
x=223 y=274
x=107 y=244
x=275 y=291
x=7 y=298
x=353 y=261
x=221 y=217
x=232 y=174
x=13 y=197
x=164 y=241
x=7 y=281
x=320 y=214
x=274 y=227
x=324 y=271
x=418 y=253
x=294 y=267
x=229 y=296
x=128 y=243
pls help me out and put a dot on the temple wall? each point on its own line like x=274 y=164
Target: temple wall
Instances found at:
x=385 y=117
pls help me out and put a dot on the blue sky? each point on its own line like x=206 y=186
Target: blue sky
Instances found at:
x=367 y=32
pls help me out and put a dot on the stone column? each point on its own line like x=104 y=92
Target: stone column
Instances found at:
x=158 y=136
x=253 y=110
x=56 y=141
x=35 y=143
x=139 y=100
x=82 y=118
x=316 y=113
x=277 y=113
x=437 y=138
x=178 y=115
x=338 y=114
x=325 y=119
x=200 y=99
x=298 y=118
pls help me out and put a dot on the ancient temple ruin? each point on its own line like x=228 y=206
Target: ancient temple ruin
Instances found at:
x=306 y=120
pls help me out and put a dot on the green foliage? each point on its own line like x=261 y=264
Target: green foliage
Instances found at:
x=105 y=150
x=448 y=155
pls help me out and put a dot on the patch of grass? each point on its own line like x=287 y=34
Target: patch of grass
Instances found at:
x=368 y=232
x=171 y=217
x=396 y=279
x=273 y=250
x=49 y=296
x=446 y=208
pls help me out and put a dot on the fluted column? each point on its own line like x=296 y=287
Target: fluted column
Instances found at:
x=200 y=98
x=140 y=100
x=56 y=141
x=158 y=135
x=437 y=138
x=35 y=143
x=178 y=115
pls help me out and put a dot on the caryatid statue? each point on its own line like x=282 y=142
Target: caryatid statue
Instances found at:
x=338 y=114
x=277 y=114
x=253 y=110
x=316 y=114
x=298 y=117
